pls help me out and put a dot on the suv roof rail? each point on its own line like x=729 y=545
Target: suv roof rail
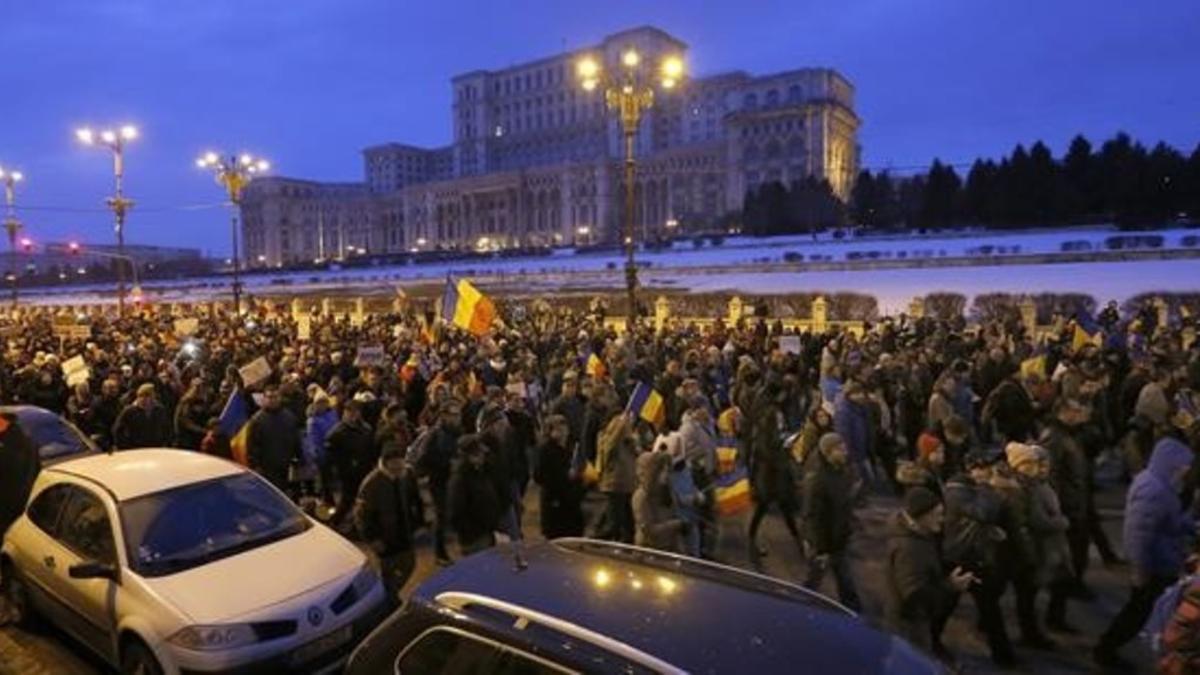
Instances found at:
x=523 y=616
x=762 y=582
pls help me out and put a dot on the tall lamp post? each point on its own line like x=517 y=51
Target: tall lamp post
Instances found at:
x=234 y=173
x=115 y=141
x=629 y=91
x=11 y=224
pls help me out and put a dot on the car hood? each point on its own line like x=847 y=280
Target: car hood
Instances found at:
x=232 y=588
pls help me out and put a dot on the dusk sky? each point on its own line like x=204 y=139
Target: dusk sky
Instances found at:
x=308 y=83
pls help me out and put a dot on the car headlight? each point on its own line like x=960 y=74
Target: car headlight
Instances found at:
x=214 y=638
x=366 y=579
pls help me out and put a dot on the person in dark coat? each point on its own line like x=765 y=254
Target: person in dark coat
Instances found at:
x=1010 y=409
x=143 y=423
x=191 y=416
x=350 y=445
x=828 y=516
x=19 y=467
x=773 y=481
x=474 y=504
x=918 y=588
x=435 y=454
x=571 y=406
x=561 y=488
x=381 y=516
x=273 y=440
x=973 y=534
x=1156 y=531
x=1071 y=478
x=505 y=463
x=105 y=412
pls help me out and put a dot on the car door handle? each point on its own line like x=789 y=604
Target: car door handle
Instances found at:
x=49 y=561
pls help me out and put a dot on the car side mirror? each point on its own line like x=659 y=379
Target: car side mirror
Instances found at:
x=93 y=570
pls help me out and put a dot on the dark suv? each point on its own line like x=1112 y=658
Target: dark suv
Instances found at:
x=581 y=605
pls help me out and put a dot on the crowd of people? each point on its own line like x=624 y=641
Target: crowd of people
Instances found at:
x=986 y=436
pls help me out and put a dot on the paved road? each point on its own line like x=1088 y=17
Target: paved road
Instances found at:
x=49 y=652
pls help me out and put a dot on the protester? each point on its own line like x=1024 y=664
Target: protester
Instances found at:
x=828 y=517
x=919 y=589
x=381 y=518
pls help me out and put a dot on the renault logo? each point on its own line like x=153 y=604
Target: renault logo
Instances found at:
x=315 y=616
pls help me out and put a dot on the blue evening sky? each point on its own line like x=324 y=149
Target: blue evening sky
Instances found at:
x=308 y=83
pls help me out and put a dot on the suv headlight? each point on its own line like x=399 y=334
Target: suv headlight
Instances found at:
x=366 y=579
x=214 y=638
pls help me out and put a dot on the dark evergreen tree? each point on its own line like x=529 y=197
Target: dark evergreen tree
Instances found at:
x=940 y=198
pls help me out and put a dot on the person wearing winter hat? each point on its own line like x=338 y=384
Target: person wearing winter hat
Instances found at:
x=1157 y=529
x=926 y=470
x=972 y=540
x=829 y=488
x=917 y=586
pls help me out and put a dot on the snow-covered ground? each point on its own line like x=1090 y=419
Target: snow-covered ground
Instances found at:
x=732 y=266
x=894 y=288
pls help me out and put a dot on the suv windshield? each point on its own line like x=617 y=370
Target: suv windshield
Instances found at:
x=185 y=527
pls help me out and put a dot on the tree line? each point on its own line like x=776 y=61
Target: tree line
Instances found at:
x=1121 y=182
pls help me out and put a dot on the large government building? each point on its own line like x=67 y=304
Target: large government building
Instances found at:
x=536 y=160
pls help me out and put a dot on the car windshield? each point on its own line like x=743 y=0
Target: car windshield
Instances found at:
x=185 y=527
x=54 y=437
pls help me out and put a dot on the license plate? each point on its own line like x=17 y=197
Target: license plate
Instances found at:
x=325 y=643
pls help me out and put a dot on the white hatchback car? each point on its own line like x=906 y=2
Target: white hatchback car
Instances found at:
x=170 y=561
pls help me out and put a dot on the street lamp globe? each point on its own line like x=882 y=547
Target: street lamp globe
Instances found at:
x=85 y=136
x=631 y=58
x=129 y=132
x=108 y=136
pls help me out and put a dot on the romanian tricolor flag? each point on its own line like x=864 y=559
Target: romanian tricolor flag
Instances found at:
x=464 y=306
x=595 y=367
x=726 y=454
x=647 y=404
x=1087 y=332
x=234 y=423
x=733 y=492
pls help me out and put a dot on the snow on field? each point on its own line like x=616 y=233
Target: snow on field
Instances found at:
x=894 y=288
x=685 y=265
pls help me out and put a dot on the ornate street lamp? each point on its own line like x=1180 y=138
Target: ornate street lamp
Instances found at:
x=629 y=91
x=115 y=141
x=234 y=173
x=11 y=224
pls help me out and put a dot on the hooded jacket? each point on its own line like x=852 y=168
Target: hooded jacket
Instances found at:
x=1155 y=522
x=653 y=513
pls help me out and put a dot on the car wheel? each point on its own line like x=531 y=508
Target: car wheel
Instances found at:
x=138 y=660
x=15 y=605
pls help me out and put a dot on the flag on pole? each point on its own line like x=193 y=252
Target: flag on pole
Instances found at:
x=234 y=422
x=647 y=404
x=595 y=367
x=464 y=306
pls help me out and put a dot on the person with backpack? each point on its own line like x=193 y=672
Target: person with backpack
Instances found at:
x=1155 y=532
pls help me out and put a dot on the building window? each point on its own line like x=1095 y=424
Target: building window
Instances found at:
x=750 y=101
x=795 y=94
x=772 y=98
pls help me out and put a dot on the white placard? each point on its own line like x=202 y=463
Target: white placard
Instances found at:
x=370 y=355
x=255 y=372
x=789 y=344
x=186 y=327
